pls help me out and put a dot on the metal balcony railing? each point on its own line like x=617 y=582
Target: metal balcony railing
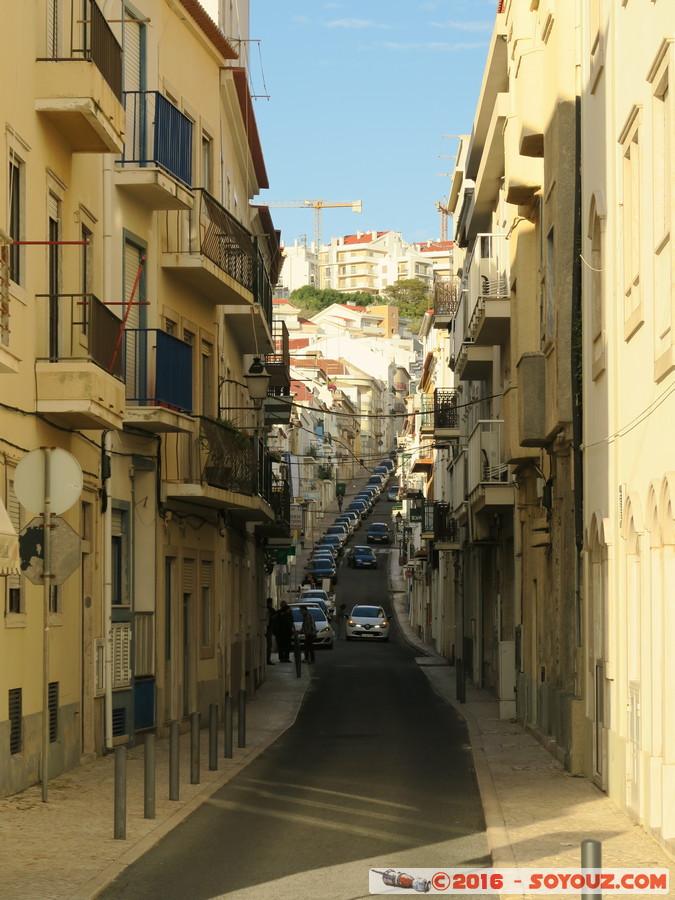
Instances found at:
x=486 y=463
x=436 y=520
x=486 y=276
x=446 y=411
x=446 y=296
x=426 y=415
x=262 y=288
x=80 y=31
x=79 y=326
x=281 y=501
x=157 y=134
x=209 y=229
x=157 y=369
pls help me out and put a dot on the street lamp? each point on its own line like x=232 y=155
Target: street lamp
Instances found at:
x=257 y=380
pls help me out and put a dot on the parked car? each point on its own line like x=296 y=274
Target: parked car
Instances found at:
x=392 y=494
x=339 y=530
x=378 y=533
x=362 y=558
x=332 y=540
x=323 y=568
x=361 y=506
x=382 y=470
x=324 y=630
x=388 y=464
x=368 y=622
x=320 y=555
x=315 y=595
x=349 y=521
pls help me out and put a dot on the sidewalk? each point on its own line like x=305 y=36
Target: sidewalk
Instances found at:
x=536 y=813
x=64 y=849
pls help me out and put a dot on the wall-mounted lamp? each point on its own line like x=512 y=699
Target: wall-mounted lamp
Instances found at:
x=257 y=380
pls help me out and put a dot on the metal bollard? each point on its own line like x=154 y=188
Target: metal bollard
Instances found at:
x=591 y=858
x=213 y=737
x=174 y=761
x=195 y=761
x=297 y=655
x=241 y=719
x=120 y=828
x=227 y=724
x=149 y=779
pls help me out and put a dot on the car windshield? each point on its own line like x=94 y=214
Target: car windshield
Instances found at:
x=322 y=564
x=368 y=612
x=379 y=526
x=364 y=551
x=315 y=595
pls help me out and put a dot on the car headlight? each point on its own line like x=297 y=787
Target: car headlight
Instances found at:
x=351 y=622
x=384 y=624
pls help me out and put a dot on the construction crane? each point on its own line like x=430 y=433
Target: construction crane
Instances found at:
x=442 y=207
x=317 y=206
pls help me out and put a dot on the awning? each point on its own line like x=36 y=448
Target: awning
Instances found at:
x=9 y=545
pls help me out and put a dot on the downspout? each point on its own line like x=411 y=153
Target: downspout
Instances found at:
x=577 y=374
x=106 y=467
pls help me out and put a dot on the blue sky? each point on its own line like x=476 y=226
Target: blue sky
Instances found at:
x=361 y=93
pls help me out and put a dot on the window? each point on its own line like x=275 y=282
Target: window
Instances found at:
x=119 y=553
x=207 y=163
x=631 y=224
x=548 y=323
x=16 y=230
x=53 y=705
x=206 y=611
x=54 y=229
x=121 y=654
x=86 y=273
x=15 y=600
x=662 y=200
x=207 y=378
x=55 y=606
x=597 y=262
x=15 y=721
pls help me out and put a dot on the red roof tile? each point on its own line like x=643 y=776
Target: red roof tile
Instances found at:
x=362 y=238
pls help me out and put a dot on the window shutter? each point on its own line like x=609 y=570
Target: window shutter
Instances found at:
x=144 y=655
x=121 y=654
x=188 y=575
x=117 y=521
x=206 y=575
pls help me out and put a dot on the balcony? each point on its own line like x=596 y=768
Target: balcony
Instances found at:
x=212 y=252
x=78 y=82
x=446 y=300
x=252 y=325
x=473 y=363
x=426 y=414
x=278 y=404
x=439 y=526
x=158 y=376
x=156 y=163
x=78 y=367
x=280 y=501
x=488 y=481
x=487 y=291
x=446 y=413
x=220 y=468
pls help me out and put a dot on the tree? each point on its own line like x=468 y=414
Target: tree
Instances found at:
x=310 y=300
x=411 y=296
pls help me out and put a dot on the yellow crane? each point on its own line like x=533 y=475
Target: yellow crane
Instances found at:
x=317 y=206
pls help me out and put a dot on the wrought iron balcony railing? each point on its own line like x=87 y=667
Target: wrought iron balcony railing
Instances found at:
x=85 y=34
x=209 y=229
x=157 y=369
x=79 y=326
x=157 y=134
x=281 y=501
x=446 y=411
x=436 y=520
x=446 y=296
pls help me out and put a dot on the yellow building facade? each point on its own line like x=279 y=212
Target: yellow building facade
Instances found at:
x=137 y=293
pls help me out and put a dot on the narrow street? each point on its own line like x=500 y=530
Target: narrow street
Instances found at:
x=376 y=771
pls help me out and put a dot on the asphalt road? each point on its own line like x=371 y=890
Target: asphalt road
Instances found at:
x=376 y=771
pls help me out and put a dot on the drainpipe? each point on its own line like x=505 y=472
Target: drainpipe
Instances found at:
x=577 y=377
x=107 y=217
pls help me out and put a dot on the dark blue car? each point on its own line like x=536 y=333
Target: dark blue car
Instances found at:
x=362 y=558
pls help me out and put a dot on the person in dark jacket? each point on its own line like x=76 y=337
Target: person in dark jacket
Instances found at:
x=285 y=631
x=308 y=629
x=270 y=630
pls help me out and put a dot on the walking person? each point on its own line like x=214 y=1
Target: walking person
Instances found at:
x=341 y=621
x=285 y=631
x=340 y=501
x=270 y=630
x=308 y=629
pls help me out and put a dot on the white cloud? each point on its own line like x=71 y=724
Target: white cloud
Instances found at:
x=354 y=23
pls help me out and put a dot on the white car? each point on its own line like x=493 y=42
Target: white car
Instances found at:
x=324 y=630
x=368 y=623
x=308 y=594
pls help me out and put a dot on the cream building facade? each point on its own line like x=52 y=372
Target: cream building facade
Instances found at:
x=137 y=292
x=628 y=197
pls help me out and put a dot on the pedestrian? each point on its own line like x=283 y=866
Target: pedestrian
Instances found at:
x=308 y=580
x=302 y=540
x=308 y=629
x=270 y=630
x=339 y=499
x=285 y=631
x=341 y=622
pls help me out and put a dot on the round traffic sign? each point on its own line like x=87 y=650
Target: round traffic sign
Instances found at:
x=65 y=480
